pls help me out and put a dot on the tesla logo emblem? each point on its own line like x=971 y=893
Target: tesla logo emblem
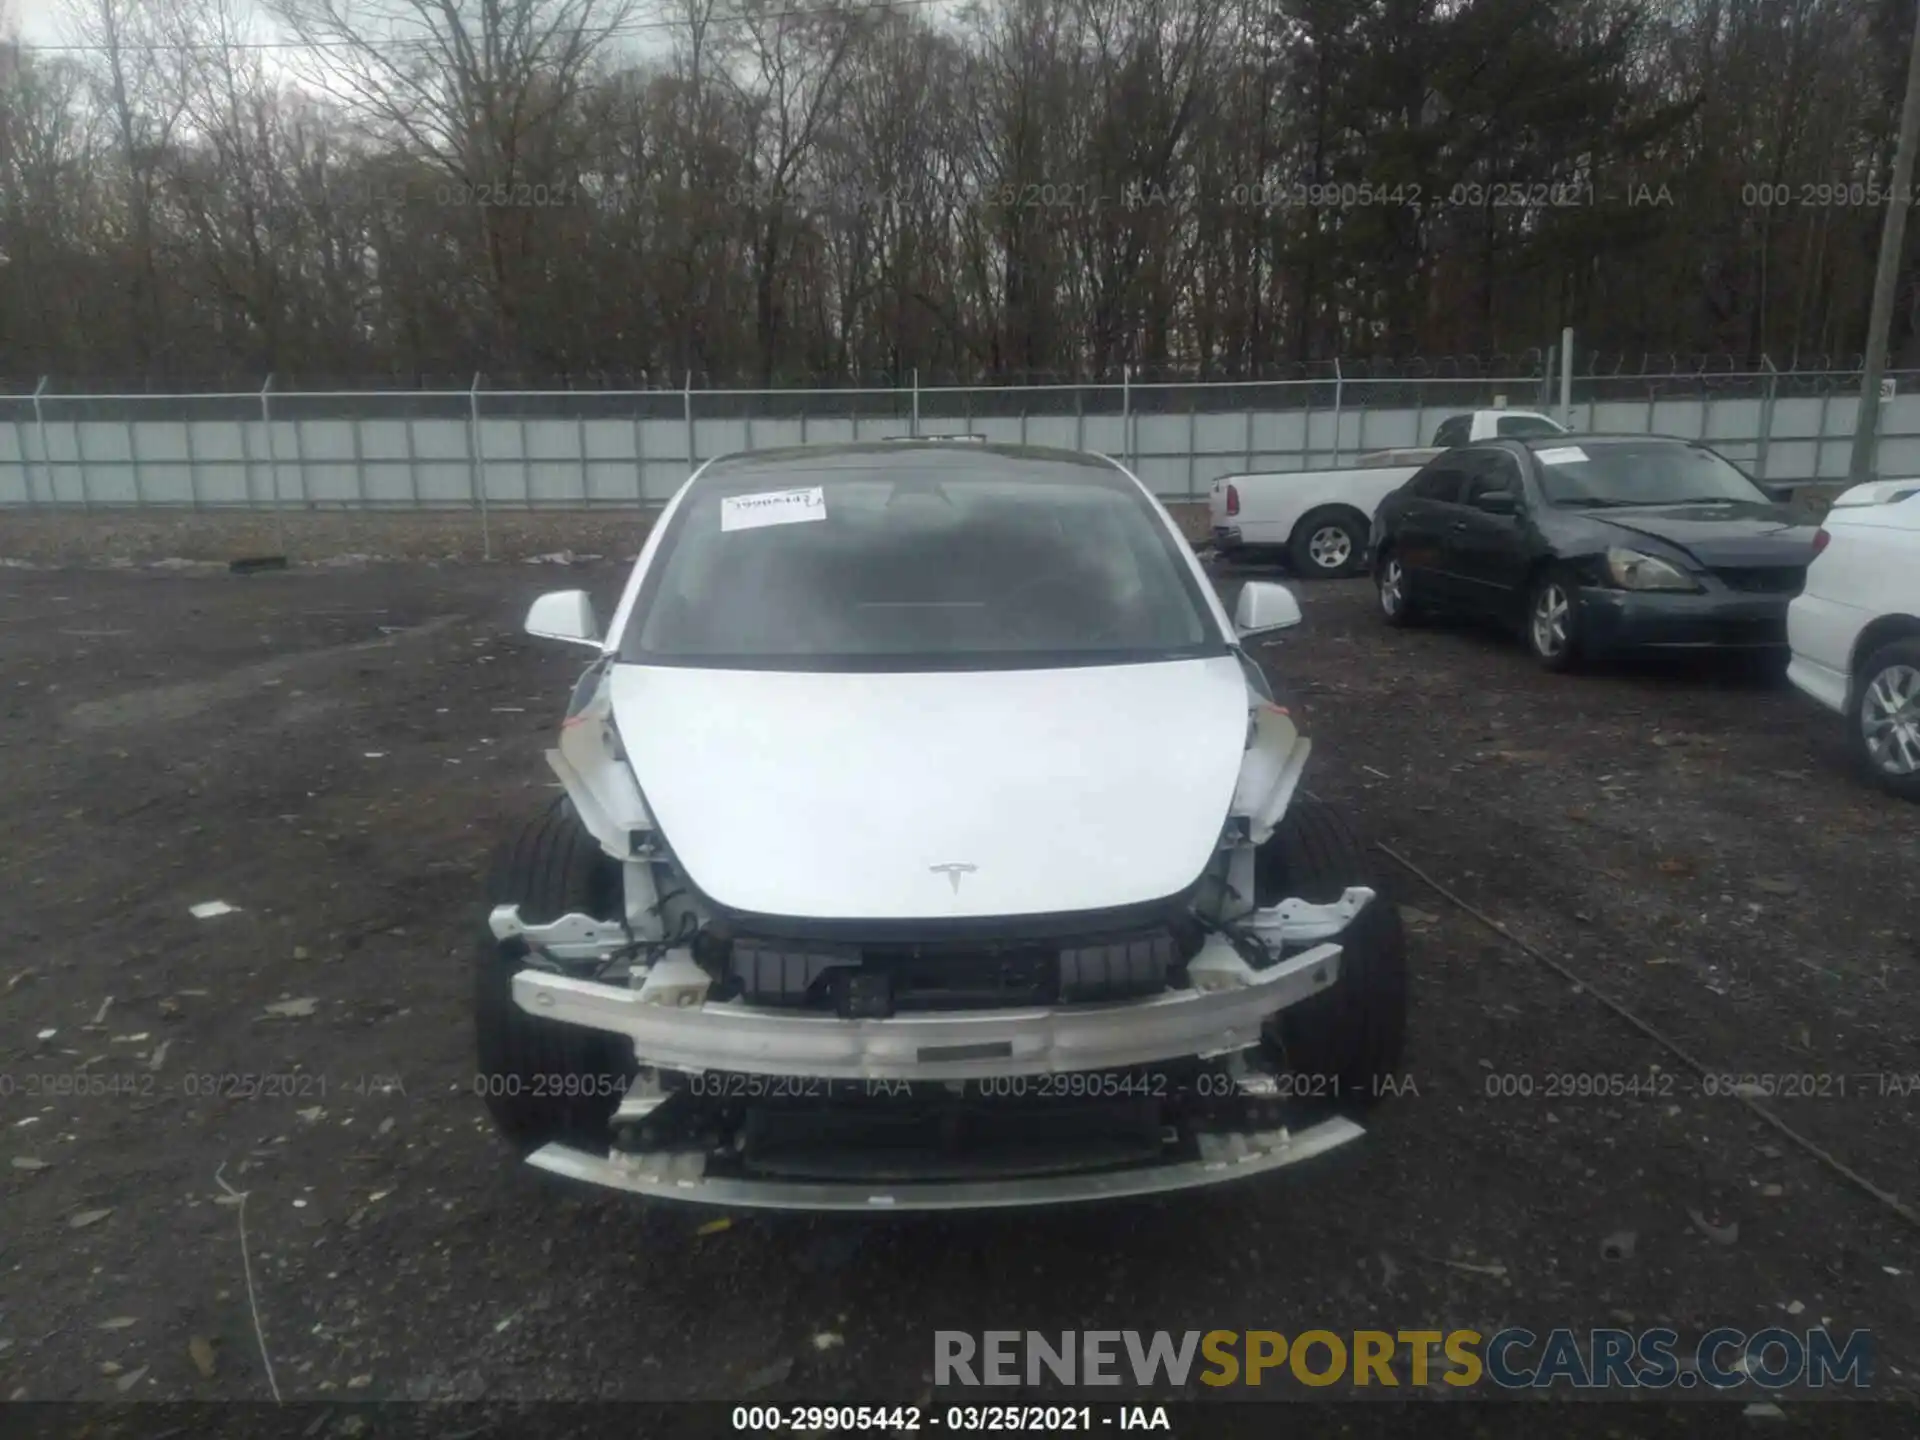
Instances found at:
x=953 y=870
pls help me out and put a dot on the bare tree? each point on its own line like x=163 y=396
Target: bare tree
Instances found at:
x=139 y=92
x=788 y=71
x=482 y=93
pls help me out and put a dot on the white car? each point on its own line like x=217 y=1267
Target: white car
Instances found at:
x=930 y=840
x=1318 y=520
x=1855 y=628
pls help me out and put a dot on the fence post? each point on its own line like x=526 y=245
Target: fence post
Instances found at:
x=80 y=460
x=1766 y=419
x=359 y=463
x=639 y=459
x=1193 y=439
x=1126 y=413
x=586 y=464
x=301 y=495
x=526 y=461
x=1339 y=385
x=1820 y=429
x=46 y=460
x=193 y=466
x=686 y=402
x=1079 y=418
x=133 y=463
x=413 y=461
x=273 y=464
x=913 y=425
x=1566 y=377
x=474 y=477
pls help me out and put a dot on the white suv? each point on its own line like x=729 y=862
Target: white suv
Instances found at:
x=1855 y=630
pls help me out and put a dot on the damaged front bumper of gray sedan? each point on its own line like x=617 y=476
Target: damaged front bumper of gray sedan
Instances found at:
x=944 y=1108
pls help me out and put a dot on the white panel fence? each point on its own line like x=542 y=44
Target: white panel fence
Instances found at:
x=572 y=449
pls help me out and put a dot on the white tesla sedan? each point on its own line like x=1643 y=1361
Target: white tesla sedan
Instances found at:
x=929 y=840
x=1855 y=628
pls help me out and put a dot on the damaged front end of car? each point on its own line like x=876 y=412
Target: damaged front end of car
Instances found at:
x=894 y=1066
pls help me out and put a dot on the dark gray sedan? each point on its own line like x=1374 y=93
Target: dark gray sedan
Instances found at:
x=1590 y=544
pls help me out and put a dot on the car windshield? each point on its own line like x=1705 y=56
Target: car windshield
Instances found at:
x=1649 y=472
x=902 y=567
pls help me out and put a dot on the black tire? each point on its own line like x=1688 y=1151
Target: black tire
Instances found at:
x=1398 y=607
x=1328 y=544
x=553 y=867
x=1555 y=645
x=1347 y=1040
x=1890 y=668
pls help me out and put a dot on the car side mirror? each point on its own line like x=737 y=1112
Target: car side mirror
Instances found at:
x=1497 y=502
x=564 y=615
x=1264 y=606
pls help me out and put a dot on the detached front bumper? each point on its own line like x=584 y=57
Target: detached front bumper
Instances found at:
x=1651 y=620
x=757 y=1107
x=685 y=1176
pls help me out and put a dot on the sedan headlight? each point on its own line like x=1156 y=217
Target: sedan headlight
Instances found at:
x=1633 y=570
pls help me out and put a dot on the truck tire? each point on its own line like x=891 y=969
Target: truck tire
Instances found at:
x=1888 y=675
x=543 y=1081
x=1329 y=543
x=1344 y=1044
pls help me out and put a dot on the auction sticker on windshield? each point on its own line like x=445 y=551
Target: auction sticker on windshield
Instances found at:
x=773 y=507
x=1561 y=455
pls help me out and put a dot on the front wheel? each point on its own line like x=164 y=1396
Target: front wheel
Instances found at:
x=1397 y=605
x=1553 y=622
x=1883 y=723
x=1345 y=1043
x=540 y=1080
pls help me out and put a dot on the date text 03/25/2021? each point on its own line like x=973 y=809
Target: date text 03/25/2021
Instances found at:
x=956 y=1419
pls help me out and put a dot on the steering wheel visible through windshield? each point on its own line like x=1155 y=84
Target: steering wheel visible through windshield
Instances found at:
x=1598 y=474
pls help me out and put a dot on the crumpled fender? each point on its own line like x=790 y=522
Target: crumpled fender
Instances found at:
x=589 y=763
x=1270 y=770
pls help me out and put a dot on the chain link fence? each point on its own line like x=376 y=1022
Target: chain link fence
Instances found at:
x=484 y=448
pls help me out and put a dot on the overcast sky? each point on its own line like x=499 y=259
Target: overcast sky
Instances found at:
x=37 y=20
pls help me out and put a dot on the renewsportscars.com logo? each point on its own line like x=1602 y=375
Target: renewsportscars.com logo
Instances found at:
x=1510 y=1359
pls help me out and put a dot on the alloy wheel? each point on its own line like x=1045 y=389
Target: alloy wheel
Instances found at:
x=1392 y=587
x=1890 y=720
x=1551 y=610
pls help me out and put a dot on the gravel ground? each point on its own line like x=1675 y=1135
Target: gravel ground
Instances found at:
x=335 y=750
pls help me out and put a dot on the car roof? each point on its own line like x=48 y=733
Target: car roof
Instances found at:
x=923 y=457
x=1582 y=437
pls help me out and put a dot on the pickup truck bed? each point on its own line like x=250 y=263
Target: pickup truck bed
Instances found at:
x=1316 y=519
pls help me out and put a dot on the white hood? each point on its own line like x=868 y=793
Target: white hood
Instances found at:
x=835 y=796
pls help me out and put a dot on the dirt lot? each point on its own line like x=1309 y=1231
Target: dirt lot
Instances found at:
x=334 y=751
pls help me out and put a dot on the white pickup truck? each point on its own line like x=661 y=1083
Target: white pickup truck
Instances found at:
x=1319 y=519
